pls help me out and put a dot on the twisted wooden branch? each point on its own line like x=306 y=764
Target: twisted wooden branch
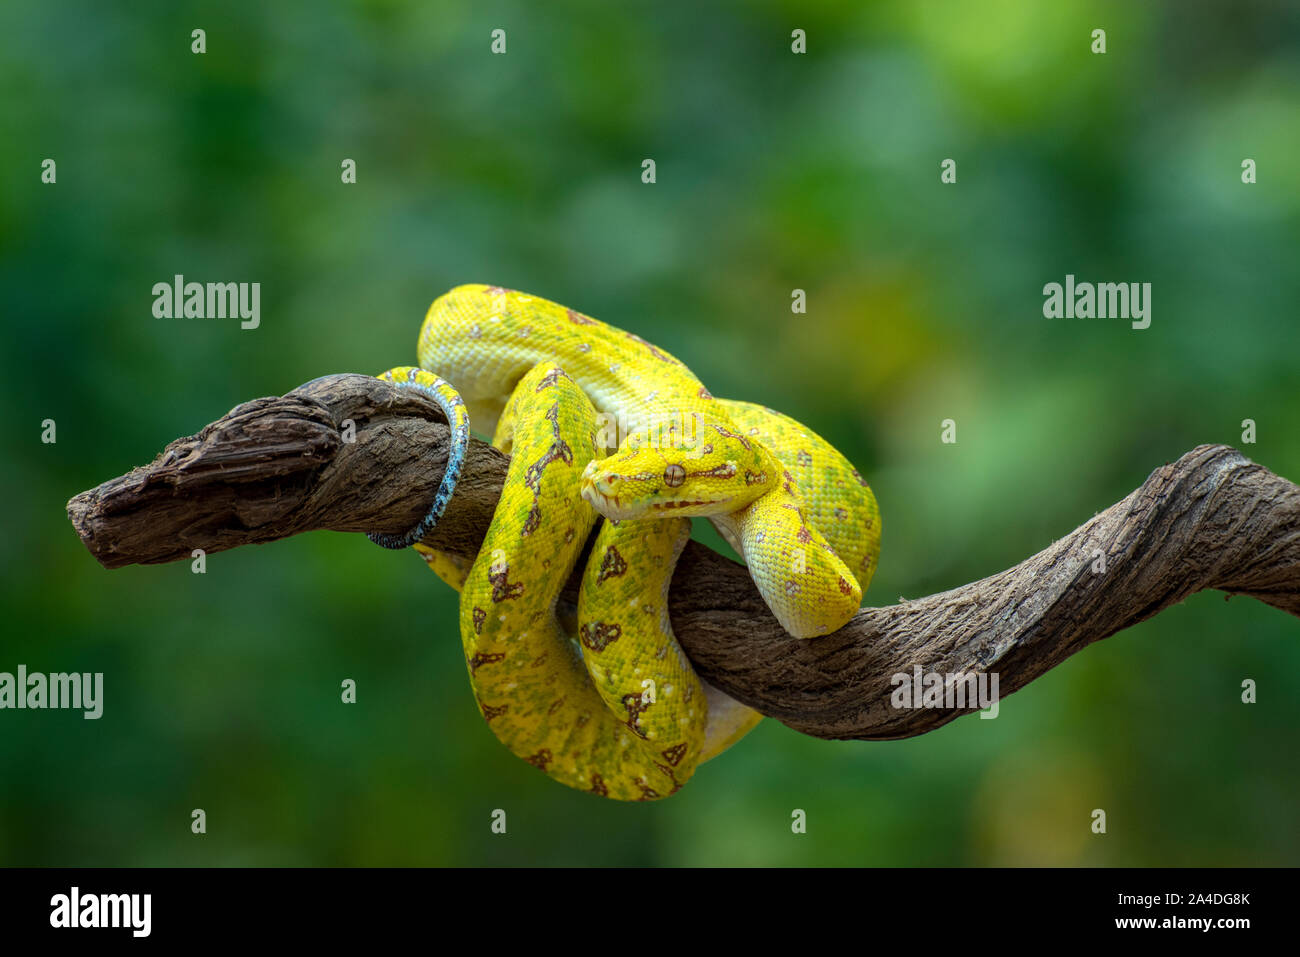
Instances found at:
x=276 y=467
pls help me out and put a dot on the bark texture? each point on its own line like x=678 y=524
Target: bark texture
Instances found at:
x=352 y=454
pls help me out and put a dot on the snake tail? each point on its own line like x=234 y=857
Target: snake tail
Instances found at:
x=453 y=407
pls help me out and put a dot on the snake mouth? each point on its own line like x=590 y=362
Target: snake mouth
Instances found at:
x=606 y=504
x=612 y=507
x=689 y=503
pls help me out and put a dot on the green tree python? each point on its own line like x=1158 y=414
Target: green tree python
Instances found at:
x=604 y=427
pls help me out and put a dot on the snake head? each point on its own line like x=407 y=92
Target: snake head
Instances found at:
x=695 y=466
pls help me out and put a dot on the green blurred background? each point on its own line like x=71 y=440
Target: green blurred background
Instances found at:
x=775 y=172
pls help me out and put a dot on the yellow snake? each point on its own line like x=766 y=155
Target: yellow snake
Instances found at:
x=600 y=422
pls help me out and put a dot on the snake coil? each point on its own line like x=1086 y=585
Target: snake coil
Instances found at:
x=604 y=427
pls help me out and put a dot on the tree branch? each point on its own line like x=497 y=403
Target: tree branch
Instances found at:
x=276 y=467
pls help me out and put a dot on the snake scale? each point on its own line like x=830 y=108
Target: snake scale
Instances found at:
x=603 y=427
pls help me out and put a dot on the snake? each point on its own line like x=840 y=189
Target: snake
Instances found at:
x=610 y=433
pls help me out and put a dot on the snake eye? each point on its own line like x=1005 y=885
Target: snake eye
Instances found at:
x=674 y=475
